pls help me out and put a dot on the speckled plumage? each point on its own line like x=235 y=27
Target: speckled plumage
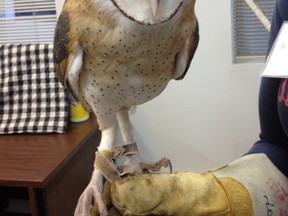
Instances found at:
x=124 y=65
x=112 y=60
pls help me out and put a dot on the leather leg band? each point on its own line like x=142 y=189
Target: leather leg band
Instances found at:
x=124 y=150
x=107 y=167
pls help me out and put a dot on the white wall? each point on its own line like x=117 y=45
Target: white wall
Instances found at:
x=210 y=118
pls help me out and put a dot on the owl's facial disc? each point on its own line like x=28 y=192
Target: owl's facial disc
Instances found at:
x=148 y=12
x=154 y=6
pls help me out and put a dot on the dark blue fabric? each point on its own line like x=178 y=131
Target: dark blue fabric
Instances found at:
x=273 y=112
x=276 y=154
x=271 y=127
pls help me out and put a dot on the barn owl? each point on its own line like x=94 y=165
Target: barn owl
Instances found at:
x=115 y=54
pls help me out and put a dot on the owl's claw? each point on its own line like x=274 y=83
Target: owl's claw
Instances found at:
x=135 y=164
x=92 y=194
x=104 y=166
x=85 y=202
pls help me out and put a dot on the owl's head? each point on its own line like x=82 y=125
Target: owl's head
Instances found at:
x=149 y=11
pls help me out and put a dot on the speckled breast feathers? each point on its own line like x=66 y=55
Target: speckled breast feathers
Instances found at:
x=108 y=60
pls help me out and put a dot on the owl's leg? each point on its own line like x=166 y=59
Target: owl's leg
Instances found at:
x=125 y=125
x=103 y=167
x=134 y=164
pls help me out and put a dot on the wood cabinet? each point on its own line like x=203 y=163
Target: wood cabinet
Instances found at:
x=51 y=170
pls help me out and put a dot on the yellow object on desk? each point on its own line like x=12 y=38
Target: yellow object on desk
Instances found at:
x=78 y=113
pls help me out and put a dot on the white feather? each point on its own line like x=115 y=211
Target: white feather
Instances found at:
x=74 y=68
x=140 y=10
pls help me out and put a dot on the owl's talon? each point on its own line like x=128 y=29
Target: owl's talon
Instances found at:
x=134 y=163
x=92 y=194
x=136 y=166
x=155 y=167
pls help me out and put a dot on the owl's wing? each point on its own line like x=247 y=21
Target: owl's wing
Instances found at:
x=186 y=54
x=68 y=55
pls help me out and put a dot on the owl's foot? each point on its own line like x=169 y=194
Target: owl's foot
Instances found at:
x=104 y=167
x=135 y=165
x=92 y=194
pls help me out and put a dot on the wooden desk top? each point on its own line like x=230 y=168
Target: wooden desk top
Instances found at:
x=32 y=160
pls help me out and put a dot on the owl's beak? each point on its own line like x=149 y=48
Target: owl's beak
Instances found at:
x=154 y=6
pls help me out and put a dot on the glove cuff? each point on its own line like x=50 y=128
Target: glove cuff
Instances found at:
x=239 y=198
x=266 y=185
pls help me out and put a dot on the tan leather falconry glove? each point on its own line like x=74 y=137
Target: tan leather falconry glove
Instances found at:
x=249 y=186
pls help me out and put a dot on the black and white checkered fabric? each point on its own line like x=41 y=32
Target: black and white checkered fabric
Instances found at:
x=31 y=98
